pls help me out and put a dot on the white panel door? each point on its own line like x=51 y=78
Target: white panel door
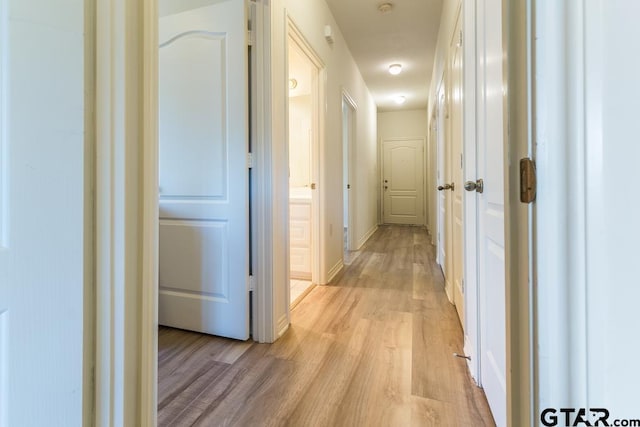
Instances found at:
x=42 y=212
x=204 y=223
x=403 y=182
x=457 y=193
x=440 y=181
x=491 y=246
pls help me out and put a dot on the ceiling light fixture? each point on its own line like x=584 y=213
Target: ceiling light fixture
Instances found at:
x=395 y=69
x=400 y=99
x=385 y=7
x=293 y=83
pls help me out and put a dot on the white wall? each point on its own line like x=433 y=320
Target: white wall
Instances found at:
x=299 y=141
x=399 y=124
x=341 y=73
x=404 y=124
x=447 y=25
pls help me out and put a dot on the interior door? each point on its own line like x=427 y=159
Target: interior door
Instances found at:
x=442 y=207
x=42 y=213
x=457 y=193
x=403 y=186
x=491 y=245
x=204 y=221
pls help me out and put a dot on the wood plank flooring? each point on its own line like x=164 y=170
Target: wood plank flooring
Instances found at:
x=373 y=348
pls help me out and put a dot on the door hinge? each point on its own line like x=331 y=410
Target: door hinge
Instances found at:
x=252 y=283
x=251 y=163
x=251 y=13
x=460 y=39
x=528 y=185
x=462 y=286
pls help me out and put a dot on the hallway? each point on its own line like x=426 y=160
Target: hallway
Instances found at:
x=374 y=348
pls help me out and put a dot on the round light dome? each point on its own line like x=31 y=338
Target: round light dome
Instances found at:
x=395 y=69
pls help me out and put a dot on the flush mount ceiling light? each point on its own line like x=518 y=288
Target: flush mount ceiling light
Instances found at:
x=385 y=7
x=395 y=69
x=293 y=83
x=400 y=99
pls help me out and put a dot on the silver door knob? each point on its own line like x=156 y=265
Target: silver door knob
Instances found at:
x=451 y=187
x=477 y=186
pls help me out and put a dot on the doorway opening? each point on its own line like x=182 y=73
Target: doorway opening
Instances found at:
x=303 y=139
x=348 y=140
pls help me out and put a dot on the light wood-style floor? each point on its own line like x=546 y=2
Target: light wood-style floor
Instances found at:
x=373 y=348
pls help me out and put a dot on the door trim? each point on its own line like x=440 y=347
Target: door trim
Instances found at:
x=126 y=231
x=565 y=110
x=351 y=153
x=517 y=39
x=126 y=236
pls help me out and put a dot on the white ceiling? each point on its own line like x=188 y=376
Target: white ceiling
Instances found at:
x=406 y=35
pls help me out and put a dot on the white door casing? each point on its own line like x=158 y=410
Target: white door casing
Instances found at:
x=44 y=215
x=349 y=110
x=586 y=209
x=403 y=180
x=491 y=229
x=203 y=141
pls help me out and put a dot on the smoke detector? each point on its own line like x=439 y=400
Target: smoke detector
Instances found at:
x=385 y=7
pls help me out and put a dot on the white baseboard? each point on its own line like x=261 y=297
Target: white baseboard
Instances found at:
x=447 y=289
x=471 y=364
x=367 y=236
x=283 y=325
x=335 y=270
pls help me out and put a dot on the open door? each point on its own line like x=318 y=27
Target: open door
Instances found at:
x=204 y=180
x=456 y=147
x=43 y=222
x=491 y=211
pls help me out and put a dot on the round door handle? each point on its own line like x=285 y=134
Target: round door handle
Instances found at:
x=477 y=186
x=470 y=186
x=451 y=187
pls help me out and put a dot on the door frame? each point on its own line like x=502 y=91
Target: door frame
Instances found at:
x=126 y=205
x=423 y=140
x=126 y=241
x=126 y=221
x=294 y=33
x=349 y=161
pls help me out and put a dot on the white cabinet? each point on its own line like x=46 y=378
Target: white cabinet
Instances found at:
x=300 y=238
